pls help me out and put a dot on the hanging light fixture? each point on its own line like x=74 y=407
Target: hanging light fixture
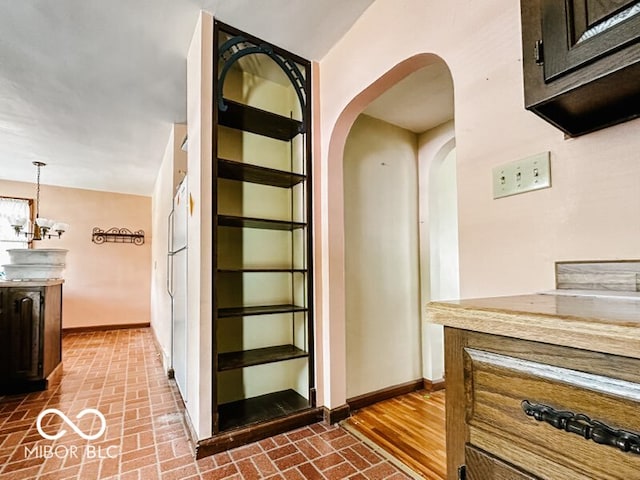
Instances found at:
x=41 y=228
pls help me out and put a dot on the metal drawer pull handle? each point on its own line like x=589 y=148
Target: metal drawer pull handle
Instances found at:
x=585 y=427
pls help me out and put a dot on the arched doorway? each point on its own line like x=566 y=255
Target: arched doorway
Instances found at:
x=335 y=351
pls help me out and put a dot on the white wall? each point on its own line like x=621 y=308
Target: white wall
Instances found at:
x=438 y=217
x=433 y=146
x=443 y=229
x=381 y=234
x=171 y=172
x=161 y=204
x=443 y=275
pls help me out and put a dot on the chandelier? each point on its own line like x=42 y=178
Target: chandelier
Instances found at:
x=41 y=228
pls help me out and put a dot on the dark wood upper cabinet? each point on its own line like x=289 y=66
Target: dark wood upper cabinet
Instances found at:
x=581 y=62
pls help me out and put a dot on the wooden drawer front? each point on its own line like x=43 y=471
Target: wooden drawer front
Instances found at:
x=496 y=385
x=482 y=466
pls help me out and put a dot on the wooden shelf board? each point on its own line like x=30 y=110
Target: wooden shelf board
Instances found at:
x=246 y=172
x=266 y=224
x=255 y=120
x=262 y=270
x=258 y=310
x=232 y=437
x=258 y=356
x=260 y=409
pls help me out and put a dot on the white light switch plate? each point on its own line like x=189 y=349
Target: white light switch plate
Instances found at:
x=524 y=175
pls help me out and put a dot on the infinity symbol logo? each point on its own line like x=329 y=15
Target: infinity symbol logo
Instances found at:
x=66 y=419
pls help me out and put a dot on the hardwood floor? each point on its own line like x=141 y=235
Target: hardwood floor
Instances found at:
x=409 y=427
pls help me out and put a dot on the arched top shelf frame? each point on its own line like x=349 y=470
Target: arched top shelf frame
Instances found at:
x=237 y=47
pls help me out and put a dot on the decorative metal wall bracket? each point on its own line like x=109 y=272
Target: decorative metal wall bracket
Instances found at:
x=117 y=235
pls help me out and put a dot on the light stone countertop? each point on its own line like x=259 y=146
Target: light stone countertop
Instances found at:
x=596 y=323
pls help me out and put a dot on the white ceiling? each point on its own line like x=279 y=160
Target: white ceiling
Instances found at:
x=91 y=87
x=419 y=102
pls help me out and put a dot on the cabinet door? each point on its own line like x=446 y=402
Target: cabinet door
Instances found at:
x=5 y=341
x=581 y=62
x=577 y=32
x=24 y=314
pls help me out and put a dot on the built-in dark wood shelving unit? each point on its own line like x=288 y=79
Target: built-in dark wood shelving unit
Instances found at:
x=254 y=120
x=258 y=356
x=258 y=310
x=258 y=409
x=246 y=172
x=280 y=394
x=247 y=222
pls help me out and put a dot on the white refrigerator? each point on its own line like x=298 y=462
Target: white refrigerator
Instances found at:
x=177 y=285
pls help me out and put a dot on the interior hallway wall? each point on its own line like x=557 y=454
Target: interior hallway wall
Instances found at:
x=439 y=268
x=106 y=284
x=443 y=228
x=381 y=255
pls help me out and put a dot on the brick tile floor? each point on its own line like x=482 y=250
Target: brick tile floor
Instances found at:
x=119 y=373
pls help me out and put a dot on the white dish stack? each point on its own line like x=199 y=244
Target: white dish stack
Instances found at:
x=35 y=264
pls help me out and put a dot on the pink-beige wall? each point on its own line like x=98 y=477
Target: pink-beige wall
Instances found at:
x=506 y=246
x=106 y=284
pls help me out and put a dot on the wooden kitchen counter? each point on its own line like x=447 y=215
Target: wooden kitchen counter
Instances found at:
x=608 y=325
x=542 y=387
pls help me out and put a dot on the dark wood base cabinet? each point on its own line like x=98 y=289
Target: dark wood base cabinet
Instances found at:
x=30 y=335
